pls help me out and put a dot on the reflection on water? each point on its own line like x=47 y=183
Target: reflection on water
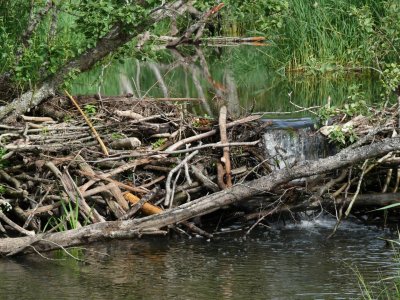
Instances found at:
x=240 y=75
x=285 y=262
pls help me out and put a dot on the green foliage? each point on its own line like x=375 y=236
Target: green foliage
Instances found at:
x=317 y=37
x=90 y=109
x=104 y=15
x=45 y=52
x=78 y=26
x=69 y=218
x=379 y=25
x=383 y=288
x=157 y=144
x=2 y=162
x=117 y=136
x=313 y=37
x=345 y=111
x=342 y=136
x=391 y=78
x=355 y=105
x=259 y=16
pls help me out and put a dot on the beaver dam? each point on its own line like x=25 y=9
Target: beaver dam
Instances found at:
x=87 y=169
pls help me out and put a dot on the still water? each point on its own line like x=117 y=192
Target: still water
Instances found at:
x=242 y=76
x=294 y=261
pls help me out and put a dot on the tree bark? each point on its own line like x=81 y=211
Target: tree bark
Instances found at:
x=201 y=206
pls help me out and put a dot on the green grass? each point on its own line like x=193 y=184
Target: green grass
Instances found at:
x=69 y=218
x=320 y=36
x=386 y=288
x=383 y=288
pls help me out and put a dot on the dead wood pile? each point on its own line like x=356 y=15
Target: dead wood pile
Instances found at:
x=67 y=171
x=61 y=172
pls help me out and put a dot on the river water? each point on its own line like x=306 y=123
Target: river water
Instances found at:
x=293 y=261
x=241 y=75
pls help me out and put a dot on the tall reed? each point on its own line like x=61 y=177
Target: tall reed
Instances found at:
x=321 y=36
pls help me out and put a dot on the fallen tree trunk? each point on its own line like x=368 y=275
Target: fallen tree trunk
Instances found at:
x=201 y=206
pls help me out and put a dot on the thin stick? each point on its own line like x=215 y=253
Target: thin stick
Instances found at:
x=304 y=108
x=358 y=188
x=225 y=159
x=210 y=133
x=168 y=192
x=115 y=182
x=103 y=147
x=15 y=226
x=172 y=99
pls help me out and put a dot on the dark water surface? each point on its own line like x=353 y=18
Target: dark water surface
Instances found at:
x=292 y=262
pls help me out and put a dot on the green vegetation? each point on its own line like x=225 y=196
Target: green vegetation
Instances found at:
x=311 y=37
x=321 y=36
x=342 y=137
x=323 y=39
x=69 y=218
x=2 y=153
x=350 y=108
x=65 y=29
x=90 y=109
x=158 y=143
x=41 y=55
x=385 y=288
x=117 y=136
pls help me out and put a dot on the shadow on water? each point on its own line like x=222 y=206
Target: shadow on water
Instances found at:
x=293 y=261
x=241 y=75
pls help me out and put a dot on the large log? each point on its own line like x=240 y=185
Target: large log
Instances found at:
x=201 y=206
